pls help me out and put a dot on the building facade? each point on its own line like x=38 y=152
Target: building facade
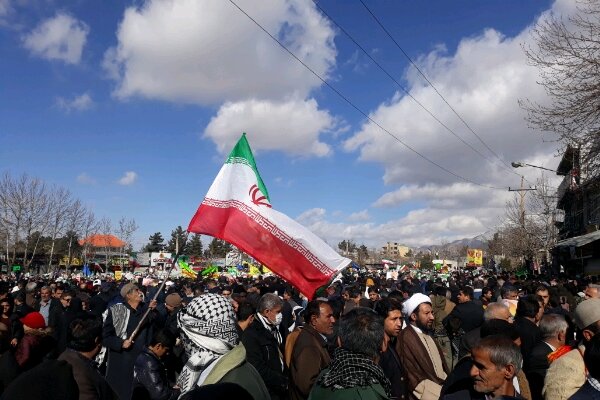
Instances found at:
x=578 y=220
x=394 y=250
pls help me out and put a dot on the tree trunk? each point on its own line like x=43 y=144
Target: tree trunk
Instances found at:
x=51 y=255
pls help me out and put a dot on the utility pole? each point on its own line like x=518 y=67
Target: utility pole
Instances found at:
x=522 y=191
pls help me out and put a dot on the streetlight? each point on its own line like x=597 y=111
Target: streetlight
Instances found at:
x=521 y=164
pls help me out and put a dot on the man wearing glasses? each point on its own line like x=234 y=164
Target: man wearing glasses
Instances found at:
x=64 y=316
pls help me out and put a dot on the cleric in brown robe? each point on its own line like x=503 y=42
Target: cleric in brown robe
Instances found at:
x=419 y=354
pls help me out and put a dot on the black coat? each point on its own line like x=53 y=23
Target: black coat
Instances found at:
x=150 y=379
x=119 y=368
x=529 y=333
x=53 y=312
x=263 y=352
x=50 y=380
x=92 y=385
x=535 y=368
x=470 y=315
x=394 y=371
x=459 y=380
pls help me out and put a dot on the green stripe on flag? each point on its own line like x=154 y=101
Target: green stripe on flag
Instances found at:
x=241 y=154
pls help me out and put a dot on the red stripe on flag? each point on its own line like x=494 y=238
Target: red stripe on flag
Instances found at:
x=237 y=228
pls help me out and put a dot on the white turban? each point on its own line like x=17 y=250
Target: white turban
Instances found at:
x=413 y=302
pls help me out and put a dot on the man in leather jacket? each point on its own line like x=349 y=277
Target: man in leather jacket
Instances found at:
x=149 y=375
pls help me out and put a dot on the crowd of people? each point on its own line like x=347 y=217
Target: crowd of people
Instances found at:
x=466 y=336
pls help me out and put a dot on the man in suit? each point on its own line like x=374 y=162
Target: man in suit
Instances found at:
x=264 y=345
x=553 y=329
x=310 y=355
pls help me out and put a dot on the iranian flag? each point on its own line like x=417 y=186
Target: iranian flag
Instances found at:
x=237 y=209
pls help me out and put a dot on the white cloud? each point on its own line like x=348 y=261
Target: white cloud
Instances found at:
x=5 y=8
x=128 y=179
x=359 y=62
x=453 y=196
x=77 y=103
x=310 y=216
x=283 y=182
x=359 y=216
x=85 y=179
x=293 y=126
x=418 y=227
x=183 y=51
x=483 y=80
x=61 y=37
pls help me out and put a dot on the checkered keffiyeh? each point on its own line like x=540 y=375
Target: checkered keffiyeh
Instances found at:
x=349 y=369
x=208 y=331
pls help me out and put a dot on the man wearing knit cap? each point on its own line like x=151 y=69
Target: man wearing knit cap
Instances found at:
x=172 y=305
x=418 y=352
x=568 y=373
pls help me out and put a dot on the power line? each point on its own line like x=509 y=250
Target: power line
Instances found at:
x=434 y=88
x=336 y=91
x=403 y=88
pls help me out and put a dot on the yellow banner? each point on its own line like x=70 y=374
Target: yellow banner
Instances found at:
x=474 y=257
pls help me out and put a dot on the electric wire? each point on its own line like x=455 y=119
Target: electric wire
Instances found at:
x=434 y=88
x=359 y=110
x=406 y=91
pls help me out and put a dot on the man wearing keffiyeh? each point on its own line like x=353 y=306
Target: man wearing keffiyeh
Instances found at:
x=209 y=336
x=354 y=373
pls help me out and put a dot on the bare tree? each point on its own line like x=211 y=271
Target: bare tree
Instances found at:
x=36 y=217
x=89 y=227
x=105 y=227
x=60 y=205
x=126 y=229
x=23 y=212
x=75 y=223
x=528 y=226
x=567 y=54
x=12 y=201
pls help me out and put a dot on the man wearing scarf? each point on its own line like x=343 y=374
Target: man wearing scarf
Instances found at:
x=264 y=345
x=354 y=373
x=419 y=353
x=209 y=336
x=567 y=372
x=121 y=320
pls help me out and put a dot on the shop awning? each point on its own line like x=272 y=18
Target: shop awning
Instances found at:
x=579 y=241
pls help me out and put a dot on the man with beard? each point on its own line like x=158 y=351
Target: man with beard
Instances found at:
x=390 y=310
x=418 y=352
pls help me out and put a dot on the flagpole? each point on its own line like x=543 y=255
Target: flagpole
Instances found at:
x=160 y=288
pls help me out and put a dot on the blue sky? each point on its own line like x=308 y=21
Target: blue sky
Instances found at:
x=134 y=105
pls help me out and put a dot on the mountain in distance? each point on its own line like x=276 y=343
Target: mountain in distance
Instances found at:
x=478 y=242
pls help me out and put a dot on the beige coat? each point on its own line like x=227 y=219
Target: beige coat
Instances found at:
x=565 y=376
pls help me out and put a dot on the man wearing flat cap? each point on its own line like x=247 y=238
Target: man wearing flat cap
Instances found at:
x=121 y=320
x=568 y=373
x=418 y=352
